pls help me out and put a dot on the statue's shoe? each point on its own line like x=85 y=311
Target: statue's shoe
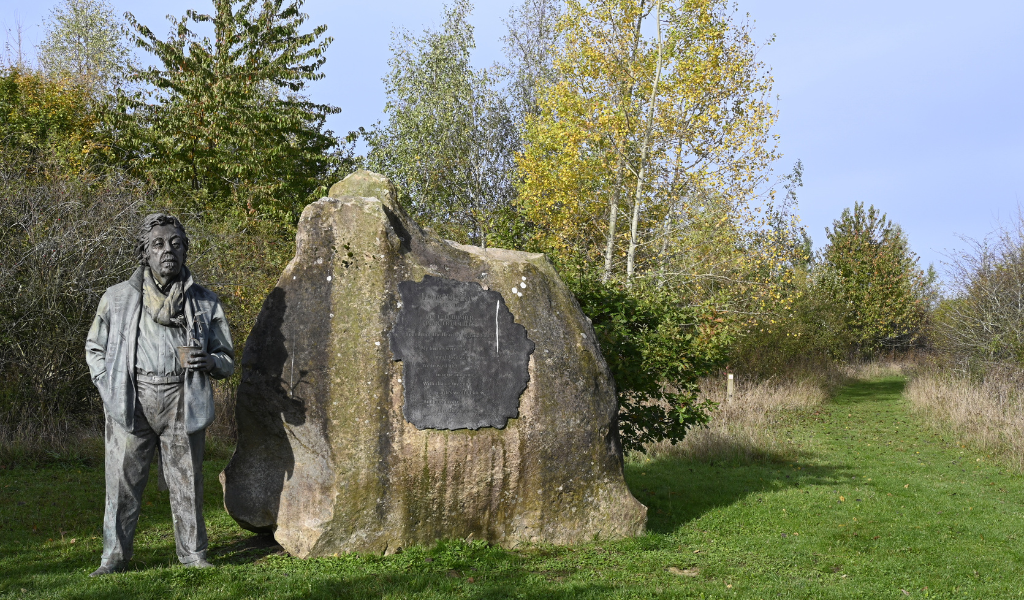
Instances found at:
x=108 y=569
x=199 y=564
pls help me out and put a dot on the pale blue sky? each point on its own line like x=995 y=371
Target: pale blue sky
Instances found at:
x=912 y=106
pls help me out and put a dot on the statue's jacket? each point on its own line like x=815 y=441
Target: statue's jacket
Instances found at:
x=111 y=344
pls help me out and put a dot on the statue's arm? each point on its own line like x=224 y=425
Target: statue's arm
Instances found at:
x=96 y=341
x=219 y=345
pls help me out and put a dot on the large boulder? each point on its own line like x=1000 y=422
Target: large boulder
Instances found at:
x=398 y=389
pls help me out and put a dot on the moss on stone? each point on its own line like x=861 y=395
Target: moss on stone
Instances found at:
x=550 y=475
x=364 y=184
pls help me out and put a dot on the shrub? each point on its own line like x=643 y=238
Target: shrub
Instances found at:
x=981 y=323
x=62 y=243
x=657 y=349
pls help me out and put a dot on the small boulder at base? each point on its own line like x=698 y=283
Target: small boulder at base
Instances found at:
x=398 y=389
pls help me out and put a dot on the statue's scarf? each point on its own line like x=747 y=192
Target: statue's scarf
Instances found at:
x=165 y=309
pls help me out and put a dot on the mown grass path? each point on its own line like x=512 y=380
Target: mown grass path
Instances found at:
x=875 y=506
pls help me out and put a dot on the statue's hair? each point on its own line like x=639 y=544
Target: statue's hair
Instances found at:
x=148 y=223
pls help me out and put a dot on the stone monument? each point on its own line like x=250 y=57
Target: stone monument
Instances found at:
x=398 y=389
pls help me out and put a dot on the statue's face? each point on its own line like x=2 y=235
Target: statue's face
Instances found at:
x=166 y=252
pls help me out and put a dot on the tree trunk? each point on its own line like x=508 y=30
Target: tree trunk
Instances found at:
x=664 y=248
x=613 y=214
x=634 y=223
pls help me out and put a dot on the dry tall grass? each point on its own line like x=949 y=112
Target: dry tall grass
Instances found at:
x=28 y=439
x=748 y=428
x=745 y=428
x=878 y=368
x=31 y=438
x=987 y=414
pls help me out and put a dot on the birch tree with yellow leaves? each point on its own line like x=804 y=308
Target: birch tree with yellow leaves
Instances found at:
x=651 y=147
x=646 y=174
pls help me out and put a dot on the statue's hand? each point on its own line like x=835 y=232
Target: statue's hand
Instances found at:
x=199 y=360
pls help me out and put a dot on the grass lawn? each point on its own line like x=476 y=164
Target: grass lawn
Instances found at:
x=876 y=506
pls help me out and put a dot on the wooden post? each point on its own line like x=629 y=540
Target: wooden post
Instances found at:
x=729 y=389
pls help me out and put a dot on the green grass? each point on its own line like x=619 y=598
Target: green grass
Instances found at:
x=875 y=504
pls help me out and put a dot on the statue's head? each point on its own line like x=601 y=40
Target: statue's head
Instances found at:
x=162 y=246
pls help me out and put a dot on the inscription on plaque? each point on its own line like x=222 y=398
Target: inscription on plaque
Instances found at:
x=465 y=360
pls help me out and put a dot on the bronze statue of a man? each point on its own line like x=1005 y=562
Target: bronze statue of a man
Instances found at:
x=154 y=345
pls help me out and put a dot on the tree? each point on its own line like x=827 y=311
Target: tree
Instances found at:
x=87 y=42
x=449 y=141
x=871 y=273
x=529 y=47
x=49 y=126
x=226 y=117
x=646 y=128
x=641 y=172
x=982 y=321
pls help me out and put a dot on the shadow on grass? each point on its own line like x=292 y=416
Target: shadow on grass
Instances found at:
x=196 y=583
x=679 y=490
x=508 y=586
x=878 y=390
x=246 y=550
x=450 y=569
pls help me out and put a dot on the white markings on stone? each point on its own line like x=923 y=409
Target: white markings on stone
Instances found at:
x=332 y=315
x=497 y=309
x=523 y=285
x=329 y=278
x=291 y=378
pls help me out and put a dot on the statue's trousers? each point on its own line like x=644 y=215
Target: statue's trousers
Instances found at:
x=159 y=418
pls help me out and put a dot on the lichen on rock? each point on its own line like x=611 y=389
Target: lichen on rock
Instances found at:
x=326 y=459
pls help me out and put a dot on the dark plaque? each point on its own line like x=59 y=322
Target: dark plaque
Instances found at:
x=465 y=359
